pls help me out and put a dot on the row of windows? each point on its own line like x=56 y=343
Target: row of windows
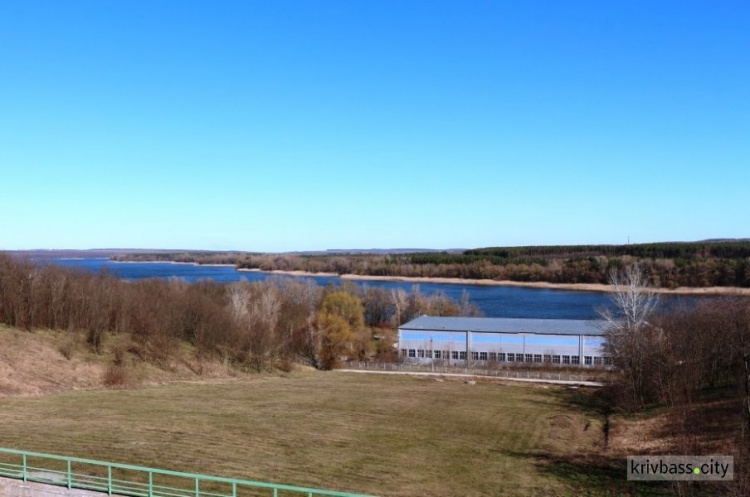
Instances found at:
x=506 y=357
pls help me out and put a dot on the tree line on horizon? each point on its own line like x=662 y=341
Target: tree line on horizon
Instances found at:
x=254 y=325
x=666 y=265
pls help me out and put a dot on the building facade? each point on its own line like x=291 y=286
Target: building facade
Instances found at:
x=563 y=342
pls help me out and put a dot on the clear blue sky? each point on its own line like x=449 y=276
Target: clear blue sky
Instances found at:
x=284 y=125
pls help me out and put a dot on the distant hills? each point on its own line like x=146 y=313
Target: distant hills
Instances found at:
x=84 y=253
x=110 y=252
x=526 y=249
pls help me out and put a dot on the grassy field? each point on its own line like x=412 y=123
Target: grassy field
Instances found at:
x=393 y=436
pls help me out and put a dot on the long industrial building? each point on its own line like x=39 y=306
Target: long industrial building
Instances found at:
x=564 y=342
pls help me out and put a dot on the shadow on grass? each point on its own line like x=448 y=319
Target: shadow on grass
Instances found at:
x=596 y=402
x=708 y=426
x=594 y=475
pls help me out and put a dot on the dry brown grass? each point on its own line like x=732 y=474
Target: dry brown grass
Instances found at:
x=44 y=361
x=32 y=364
x=385 y=435
x=395 y=436
x=116 y=376
x=710 y=427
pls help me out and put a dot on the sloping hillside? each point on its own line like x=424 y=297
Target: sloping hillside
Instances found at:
x=43 y=361
x=36 y=363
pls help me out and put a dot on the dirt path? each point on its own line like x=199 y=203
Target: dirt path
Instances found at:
x=482 y=377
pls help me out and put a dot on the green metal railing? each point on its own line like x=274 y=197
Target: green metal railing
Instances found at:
x=137 y=481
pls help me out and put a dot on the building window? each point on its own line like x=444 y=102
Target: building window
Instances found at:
x=566 y=359
x=412 y=353
x=501 y=356
x=462 y=355
x=446 y=354
x=529 y=357
x=475 y=356
x=454 y=354
x=576 y=359
x=537 y=357
x=420 y=353
x=483 y=356
x=493 y=356
x=438 y=355
x=587 y=360
x=607 y=361
x=597 y=361
x=428 y=354
x=403 y=352
x=555 y=359
x=547 y=358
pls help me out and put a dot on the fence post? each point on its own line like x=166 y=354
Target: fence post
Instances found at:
x=70 y=477
x=197 y=487
x=275 y=492
x=109 y=479
x=150 y=484
x=234 y=489
x=24 y=467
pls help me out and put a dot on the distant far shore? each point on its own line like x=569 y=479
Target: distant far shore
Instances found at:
x=169 y=262
x=292 y=273
x=581 y=287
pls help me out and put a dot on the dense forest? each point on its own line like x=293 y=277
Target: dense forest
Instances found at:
x=667 y=265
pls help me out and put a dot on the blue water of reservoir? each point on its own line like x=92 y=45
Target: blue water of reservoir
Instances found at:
x=494 y=301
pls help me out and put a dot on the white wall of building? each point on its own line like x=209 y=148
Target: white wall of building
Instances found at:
x=428 y=345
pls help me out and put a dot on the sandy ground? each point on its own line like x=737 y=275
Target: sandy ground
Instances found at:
x=582 y=287
x=290 y=273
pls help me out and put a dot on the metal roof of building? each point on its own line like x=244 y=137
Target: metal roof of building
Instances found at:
x=506 y=325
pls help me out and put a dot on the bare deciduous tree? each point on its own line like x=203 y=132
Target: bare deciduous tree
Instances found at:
x=468 y=308
x=630 y=339
x=634 y=300
x=399 y=297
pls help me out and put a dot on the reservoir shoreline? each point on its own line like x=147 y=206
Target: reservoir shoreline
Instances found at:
x=579 y=287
